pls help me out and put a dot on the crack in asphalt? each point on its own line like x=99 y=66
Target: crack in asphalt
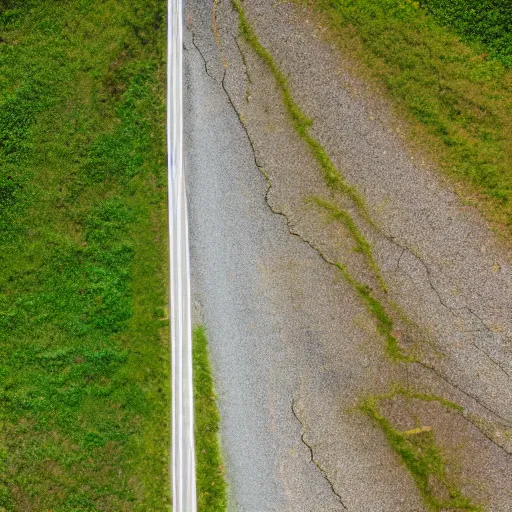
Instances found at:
x=312 y=456
x=262 y=170
x=451 y=309
x=464 y=392
x=203 y=58
x=330 y=262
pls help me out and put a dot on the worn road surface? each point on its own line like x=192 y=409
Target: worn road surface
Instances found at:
x=294 y=346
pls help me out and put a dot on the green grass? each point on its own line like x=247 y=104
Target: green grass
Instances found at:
x=456 y=97
x=420 y=454
x=484 y=21
x=211 y=486
x=384 y=322
x=83 y=343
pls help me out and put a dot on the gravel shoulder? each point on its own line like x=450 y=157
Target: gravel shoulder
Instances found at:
x=294 y=348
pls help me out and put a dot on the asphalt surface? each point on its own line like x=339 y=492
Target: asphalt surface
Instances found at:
x=292 y=346
x=236 y=245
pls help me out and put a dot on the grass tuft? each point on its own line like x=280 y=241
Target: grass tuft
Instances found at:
x=362 y=245
x=378 y=312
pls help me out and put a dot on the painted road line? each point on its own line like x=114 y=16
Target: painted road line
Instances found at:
x=183 y=453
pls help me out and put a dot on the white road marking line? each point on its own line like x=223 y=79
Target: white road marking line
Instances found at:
x=183 y=452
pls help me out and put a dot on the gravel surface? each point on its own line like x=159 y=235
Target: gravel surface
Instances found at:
x=292 y=345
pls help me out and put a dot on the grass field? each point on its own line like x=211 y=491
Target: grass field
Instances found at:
x=83 y=337
x=446 y=66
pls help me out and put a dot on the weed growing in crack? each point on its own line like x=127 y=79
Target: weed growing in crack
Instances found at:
x=398 y=389
x=362 y=245
x=300 y=121
x=377 y=310
x=421 y=455
x=417 y=448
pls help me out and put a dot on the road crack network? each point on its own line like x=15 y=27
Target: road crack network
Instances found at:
x=452 y=310
x=393 y=239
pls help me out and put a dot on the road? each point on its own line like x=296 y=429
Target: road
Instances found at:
x=293 y=347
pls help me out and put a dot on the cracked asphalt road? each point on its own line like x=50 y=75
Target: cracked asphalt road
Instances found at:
x=293 y=347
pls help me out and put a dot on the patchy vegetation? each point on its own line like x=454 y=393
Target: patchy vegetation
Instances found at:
x=420 y=454
x=361 y=244
x=211 y=486
x=83 y=345
x=458 y=99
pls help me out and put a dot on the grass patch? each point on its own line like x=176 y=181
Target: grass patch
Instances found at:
x=83 y=343
x=211 y=486
x=301 y=122
x=420 y=454
x=458 y=100
x=486 y=22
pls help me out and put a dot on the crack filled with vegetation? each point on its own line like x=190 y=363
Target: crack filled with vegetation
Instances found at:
x=379 y=313
x=211 y=485
x=362 y=245
x=419 y=452
x=300 y=121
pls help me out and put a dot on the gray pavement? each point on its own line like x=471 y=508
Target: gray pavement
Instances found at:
x=293 y=348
